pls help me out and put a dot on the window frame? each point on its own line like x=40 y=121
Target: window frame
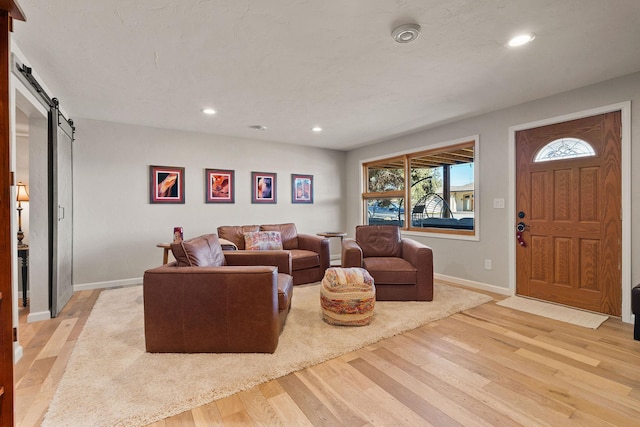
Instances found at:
x=405 y=194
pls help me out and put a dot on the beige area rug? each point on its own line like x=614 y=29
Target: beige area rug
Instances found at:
x=111 y=381
x=555 y=311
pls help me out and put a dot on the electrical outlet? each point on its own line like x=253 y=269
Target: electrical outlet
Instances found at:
x=487 y=264
x=498 y=203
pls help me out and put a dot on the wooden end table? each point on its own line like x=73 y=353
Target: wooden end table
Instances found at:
x=165 y=255
x=23 y=254
x=330 y=234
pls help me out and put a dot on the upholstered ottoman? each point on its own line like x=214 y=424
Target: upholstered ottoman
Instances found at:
x=347 y=296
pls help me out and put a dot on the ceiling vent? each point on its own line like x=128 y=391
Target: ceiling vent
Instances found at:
x=406 y=33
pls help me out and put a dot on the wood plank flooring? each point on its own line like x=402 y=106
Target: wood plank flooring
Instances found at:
x=488 y=366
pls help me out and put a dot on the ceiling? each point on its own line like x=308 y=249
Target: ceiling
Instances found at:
x=290 y=65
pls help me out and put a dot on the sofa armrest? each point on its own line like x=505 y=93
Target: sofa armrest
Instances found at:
x=421 y=257
x=280 y=259
x=317 y=244
x=351 y=253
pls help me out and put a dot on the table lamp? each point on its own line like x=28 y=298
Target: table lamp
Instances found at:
x=23 y=196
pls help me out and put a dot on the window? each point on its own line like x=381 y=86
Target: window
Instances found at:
x=564 y=148
x=385 y=190
x=436 y=186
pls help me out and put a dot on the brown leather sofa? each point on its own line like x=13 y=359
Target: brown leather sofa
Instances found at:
x=402 y=269
x=310 y=255
x=214 y=301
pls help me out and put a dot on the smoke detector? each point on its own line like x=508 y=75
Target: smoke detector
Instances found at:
x=406 y=33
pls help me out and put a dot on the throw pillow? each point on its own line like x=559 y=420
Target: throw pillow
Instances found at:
x=263 y=240
x=203 y=251
x=288 y=233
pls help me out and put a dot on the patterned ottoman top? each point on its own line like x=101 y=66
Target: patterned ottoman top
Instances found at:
x=337 y=279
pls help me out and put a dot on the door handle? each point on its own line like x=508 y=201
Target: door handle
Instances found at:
x=60 y=213
x=520 y=227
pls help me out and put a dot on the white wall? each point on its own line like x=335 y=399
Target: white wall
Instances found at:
x=116 y=229
x=465 y=259
x=38 y=220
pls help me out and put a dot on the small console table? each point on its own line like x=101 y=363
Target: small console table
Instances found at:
x=23 y=254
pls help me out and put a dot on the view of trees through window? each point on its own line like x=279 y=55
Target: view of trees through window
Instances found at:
x=437 y=185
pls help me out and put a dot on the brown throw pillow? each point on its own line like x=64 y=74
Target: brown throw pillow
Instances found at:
x=203 y=251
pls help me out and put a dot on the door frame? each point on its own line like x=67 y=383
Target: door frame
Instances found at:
x=625 y=110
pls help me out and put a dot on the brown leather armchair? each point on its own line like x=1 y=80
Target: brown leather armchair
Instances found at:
x=220 y=302
x=402 y=269
x=310 y=255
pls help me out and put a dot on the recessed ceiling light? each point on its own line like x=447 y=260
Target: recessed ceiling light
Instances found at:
x=316 y=129
x=209 y=111
x=258 y=127
x=521 y=39
x=406 y=33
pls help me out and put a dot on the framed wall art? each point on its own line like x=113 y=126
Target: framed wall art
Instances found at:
x=301 y=188
x=263 y=187
x=220 y=185
x=166 y=184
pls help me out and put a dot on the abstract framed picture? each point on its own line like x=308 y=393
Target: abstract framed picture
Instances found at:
x=166 y=184
x=220 y=185
x=301 y=188
x=263 y=187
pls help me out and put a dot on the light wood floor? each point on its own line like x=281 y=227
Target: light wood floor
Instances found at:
x=487 y=366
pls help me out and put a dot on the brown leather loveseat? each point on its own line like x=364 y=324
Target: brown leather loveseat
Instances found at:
x=402 y=269
x=310 y=255
x=214 y=301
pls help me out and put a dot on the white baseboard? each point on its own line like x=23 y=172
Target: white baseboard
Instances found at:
x=470 y=283
x=109 y=284
x=18 y=352
x=38 y=316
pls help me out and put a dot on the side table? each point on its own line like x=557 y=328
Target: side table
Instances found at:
x=165 y=255
x=23 y=254
x=329 y=235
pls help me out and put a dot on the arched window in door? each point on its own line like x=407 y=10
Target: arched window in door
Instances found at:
x=564 y=148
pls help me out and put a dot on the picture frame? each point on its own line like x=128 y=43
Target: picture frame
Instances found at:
x=220 y=186
x=166 y=184
x=264 y=187
x=301 y=188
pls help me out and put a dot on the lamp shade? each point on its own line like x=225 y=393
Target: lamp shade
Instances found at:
x=23 y=193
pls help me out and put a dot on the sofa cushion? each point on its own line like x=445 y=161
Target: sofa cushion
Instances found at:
x=301 y=259
x=391 y=270
x=202 y=251
x=379 y=240
x=235 y=233
x=262 y=240
x=287 y=231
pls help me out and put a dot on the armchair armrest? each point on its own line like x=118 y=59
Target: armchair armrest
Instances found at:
x=421 y=257
x=280 y=259
x=317 y=244
x=351 y=253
